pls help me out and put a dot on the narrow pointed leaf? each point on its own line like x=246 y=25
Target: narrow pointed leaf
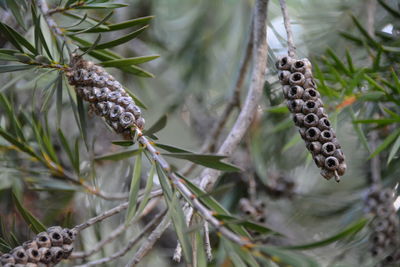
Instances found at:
x=128 y=61
x=388 y=140
x=12 y=68
x=172 y=149
x=101 y=22
x=394 y=149
x=147 y=190
x=101 y=6
x=31 y=220
x=122 y=25
x=157 y=126
x=20 y=39
x=210 y=161
x=118 y=155
x=121 y=40
x=134 y=189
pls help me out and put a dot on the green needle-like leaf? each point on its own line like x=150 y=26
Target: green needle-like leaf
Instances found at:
x=128 y=61
x=210 y=161
x=135 y=184
x=121 y=40
x=31 y=220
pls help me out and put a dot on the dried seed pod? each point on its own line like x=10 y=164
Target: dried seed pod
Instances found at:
x=284 y=76
x=311 y=120
x=284 y=63
x=56 y=237
x=45 y=255
x=311 y=106
x=56 y=254
x=321 y=113
x=33 y=255
x=298 y=119
x=342 y=169
x=43 y=240
x=30 y=244
x=310 y=94
x=327 y=174
x=67 y=250
x=125 y=101
x=301 y=65
x=247 y=208
x=339 y=155
x=297 y=78
x=326 y=136
x=315 y=147
x=328 y=149
x=126 y=119
x=309 y=83
x=295 y=92
x=29 y=264
x=113 y=96
x=135 y=110
x=324 y=124
x=296 y=105
x=68 y=236
x=331 y=163
x=115 y=112
x=20 y=255
x=319 y=160
x=140 y=123
x=7 y=258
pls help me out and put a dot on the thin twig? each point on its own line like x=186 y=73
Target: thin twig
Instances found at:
x=207 y=243
x=188 y=217
x=150 y=241
x=112 y=212
x=286 y=21
x=130 y=244
x=117 y=232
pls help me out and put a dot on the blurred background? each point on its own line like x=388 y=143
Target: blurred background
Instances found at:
x=201 y=45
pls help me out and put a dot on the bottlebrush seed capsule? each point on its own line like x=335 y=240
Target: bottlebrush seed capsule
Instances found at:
x=7 y=258
x=106 y=95
x=384 y=226
x=20 y=255
x=304 y=101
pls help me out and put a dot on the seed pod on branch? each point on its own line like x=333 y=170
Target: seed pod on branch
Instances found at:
x=304 y=101
x=48 y=247
x=384 y=238
x=106 y=96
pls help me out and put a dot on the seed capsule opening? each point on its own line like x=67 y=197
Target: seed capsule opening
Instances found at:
x=331 y=163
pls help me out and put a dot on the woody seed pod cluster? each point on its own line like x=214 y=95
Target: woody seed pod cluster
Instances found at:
x=304 y=102
x=47 y=248
x=254 y=211
x=385 y=234
x=106 y=96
